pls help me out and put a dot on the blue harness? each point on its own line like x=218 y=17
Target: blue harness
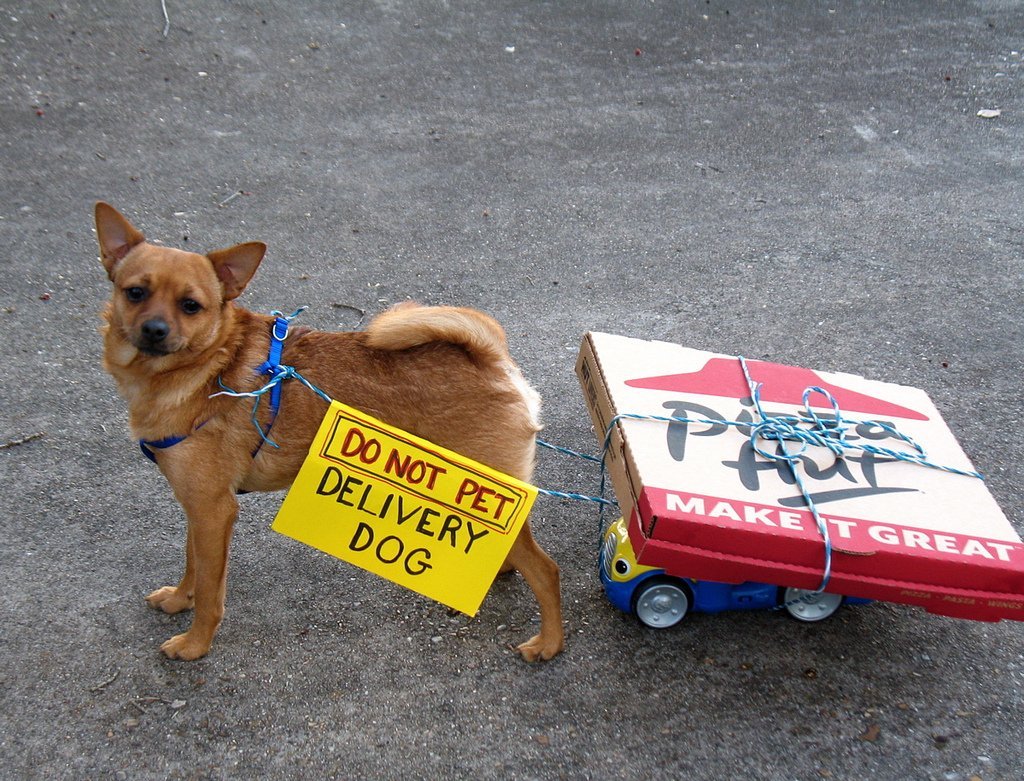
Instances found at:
x=272 y=367
x=148 y=445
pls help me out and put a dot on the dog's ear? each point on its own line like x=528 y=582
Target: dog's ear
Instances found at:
x=236 y=265
x=116 y=235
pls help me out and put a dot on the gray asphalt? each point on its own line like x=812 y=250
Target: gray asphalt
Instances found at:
x=806 y=182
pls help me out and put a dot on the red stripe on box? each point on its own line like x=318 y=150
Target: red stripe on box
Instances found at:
x=951 y=574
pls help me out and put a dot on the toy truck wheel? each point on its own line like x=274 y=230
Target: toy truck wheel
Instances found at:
x=804 y=605
x=661 y=602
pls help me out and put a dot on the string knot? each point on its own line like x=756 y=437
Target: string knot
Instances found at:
x=277 y=372
x=808 y=430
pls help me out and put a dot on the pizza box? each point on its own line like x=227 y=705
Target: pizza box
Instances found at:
x=703 y=503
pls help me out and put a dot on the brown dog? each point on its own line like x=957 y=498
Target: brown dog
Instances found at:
x=173 y=332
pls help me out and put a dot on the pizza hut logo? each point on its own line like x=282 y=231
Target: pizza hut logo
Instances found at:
x=855 y=475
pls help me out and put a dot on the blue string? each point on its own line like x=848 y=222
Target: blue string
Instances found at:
x=278 y=374
x=567 y=451
x=283 y=373
x=827 y=433
x=578 y=497
x=575 y=497
x=783 y=429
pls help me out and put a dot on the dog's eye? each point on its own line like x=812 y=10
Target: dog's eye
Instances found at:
x=190 y=306
x=135 y=294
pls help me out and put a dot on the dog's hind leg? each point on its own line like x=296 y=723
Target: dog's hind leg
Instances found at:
x=541 y=574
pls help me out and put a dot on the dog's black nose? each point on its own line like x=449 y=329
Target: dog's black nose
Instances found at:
x=155 y=331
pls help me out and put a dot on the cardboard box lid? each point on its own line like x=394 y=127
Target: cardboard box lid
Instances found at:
x=704 y=504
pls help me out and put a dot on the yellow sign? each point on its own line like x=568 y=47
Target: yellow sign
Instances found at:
x=394 y=504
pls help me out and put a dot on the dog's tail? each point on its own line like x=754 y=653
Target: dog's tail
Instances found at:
x=410 y=325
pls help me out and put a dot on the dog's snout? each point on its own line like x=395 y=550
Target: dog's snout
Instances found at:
x=155 y=331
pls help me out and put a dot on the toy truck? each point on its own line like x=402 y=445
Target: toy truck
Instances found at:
x=661 y=600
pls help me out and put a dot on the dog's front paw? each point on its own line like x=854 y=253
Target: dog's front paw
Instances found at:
x=170 y=599
x=539 y=648
x=186 y=647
